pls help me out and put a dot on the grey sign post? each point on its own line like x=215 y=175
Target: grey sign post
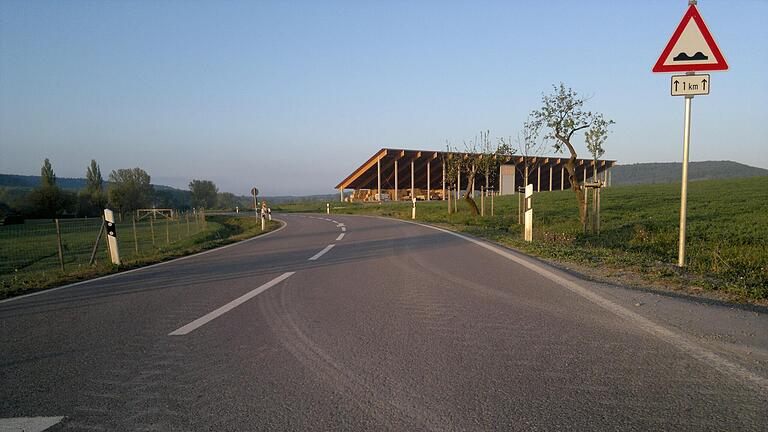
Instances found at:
x=255 y=193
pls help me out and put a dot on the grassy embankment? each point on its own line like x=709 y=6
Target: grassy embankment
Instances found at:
x=727 y=245
x=40 y=272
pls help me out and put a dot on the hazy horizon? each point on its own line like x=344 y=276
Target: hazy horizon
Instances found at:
x=291 y=97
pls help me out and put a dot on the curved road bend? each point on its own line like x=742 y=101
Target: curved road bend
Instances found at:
x=395 y=327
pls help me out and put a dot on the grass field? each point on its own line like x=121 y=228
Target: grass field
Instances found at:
x=29 y=254
x=727 y=232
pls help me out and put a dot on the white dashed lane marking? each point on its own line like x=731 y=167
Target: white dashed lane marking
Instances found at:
x=205 y=319
x=28 y=424
x=322 y=252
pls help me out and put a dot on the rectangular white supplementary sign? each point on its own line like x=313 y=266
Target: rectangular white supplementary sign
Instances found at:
x=690 y=85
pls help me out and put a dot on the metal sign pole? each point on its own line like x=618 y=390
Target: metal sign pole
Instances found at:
x=684 y=192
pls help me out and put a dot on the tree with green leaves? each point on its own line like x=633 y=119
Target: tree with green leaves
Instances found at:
x=93 y=180
x=563 y=115
x=596 y=137
x=92 y=199
x=47 y=176
x=227 y=201
x=48 y=200
x=204 y=193
x=129 y=189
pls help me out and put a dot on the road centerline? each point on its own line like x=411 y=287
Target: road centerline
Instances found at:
x=205 y=319
x=322 y=252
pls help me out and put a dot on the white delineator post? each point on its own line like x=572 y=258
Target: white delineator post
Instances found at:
x=328 y=208
x=529 y=212
x=413 y=211
x=114 y=252
x=684 y=191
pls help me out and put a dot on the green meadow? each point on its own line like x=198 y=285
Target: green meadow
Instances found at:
x=29 y=258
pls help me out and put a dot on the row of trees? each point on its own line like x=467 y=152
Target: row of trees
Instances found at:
x=554 y=125
x=127 y=190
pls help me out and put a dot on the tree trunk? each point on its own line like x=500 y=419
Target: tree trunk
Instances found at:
x=450 y=192
x=468 y=195
x=577 y=187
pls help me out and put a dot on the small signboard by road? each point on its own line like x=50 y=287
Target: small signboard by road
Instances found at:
x=690 y=85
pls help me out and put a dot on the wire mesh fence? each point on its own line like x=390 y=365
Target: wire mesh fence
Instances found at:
x=38 y=248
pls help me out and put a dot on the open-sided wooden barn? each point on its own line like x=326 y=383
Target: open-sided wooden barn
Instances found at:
x=399 y=174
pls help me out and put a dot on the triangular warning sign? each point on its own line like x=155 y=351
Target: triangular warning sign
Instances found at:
x=691 y=47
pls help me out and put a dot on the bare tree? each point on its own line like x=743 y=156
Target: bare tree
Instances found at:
x=469 y=164
x=563 y=115
x=450 y=162
x=530 y=146
x=488 y=161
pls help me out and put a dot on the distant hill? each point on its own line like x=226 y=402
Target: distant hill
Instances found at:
x=16 y=181
x=671 y=172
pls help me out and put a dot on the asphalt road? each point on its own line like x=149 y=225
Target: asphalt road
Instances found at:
x=395 y=327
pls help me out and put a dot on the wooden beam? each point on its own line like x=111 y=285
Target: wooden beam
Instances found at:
x=370 y=163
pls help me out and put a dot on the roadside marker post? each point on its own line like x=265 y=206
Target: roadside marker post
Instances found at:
x=413 y=211
x=327 y=208
x=263 y=215
x=691 y=48
x=529 y=213
x=114 y=252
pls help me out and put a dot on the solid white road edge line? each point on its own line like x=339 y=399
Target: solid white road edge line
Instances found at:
x=109 y=276
x=322 y=252
x=205 y=319
x=341 y=236
x=677 y=340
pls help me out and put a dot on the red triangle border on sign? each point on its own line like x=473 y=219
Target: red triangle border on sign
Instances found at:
x=691 y=14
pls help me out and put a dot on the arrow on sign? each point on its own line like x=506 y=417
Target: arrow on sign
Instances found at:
x=676 y=83
x=704 y=83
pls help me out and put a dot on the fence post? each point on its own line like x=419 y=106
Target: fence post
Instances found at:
x=152 y=229
x=58 y=242
x=96 y=244
x=167 y=232
x=482 y=201
x=135 y=237
x=202 y=217
x=178 y=226
x=492 y=194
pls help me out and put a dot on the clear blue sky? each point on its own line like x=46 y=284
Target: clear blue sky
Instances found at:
x=292 y=96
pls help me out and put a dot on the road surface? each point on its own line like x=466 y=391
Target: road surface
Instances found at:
x=359 y=323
